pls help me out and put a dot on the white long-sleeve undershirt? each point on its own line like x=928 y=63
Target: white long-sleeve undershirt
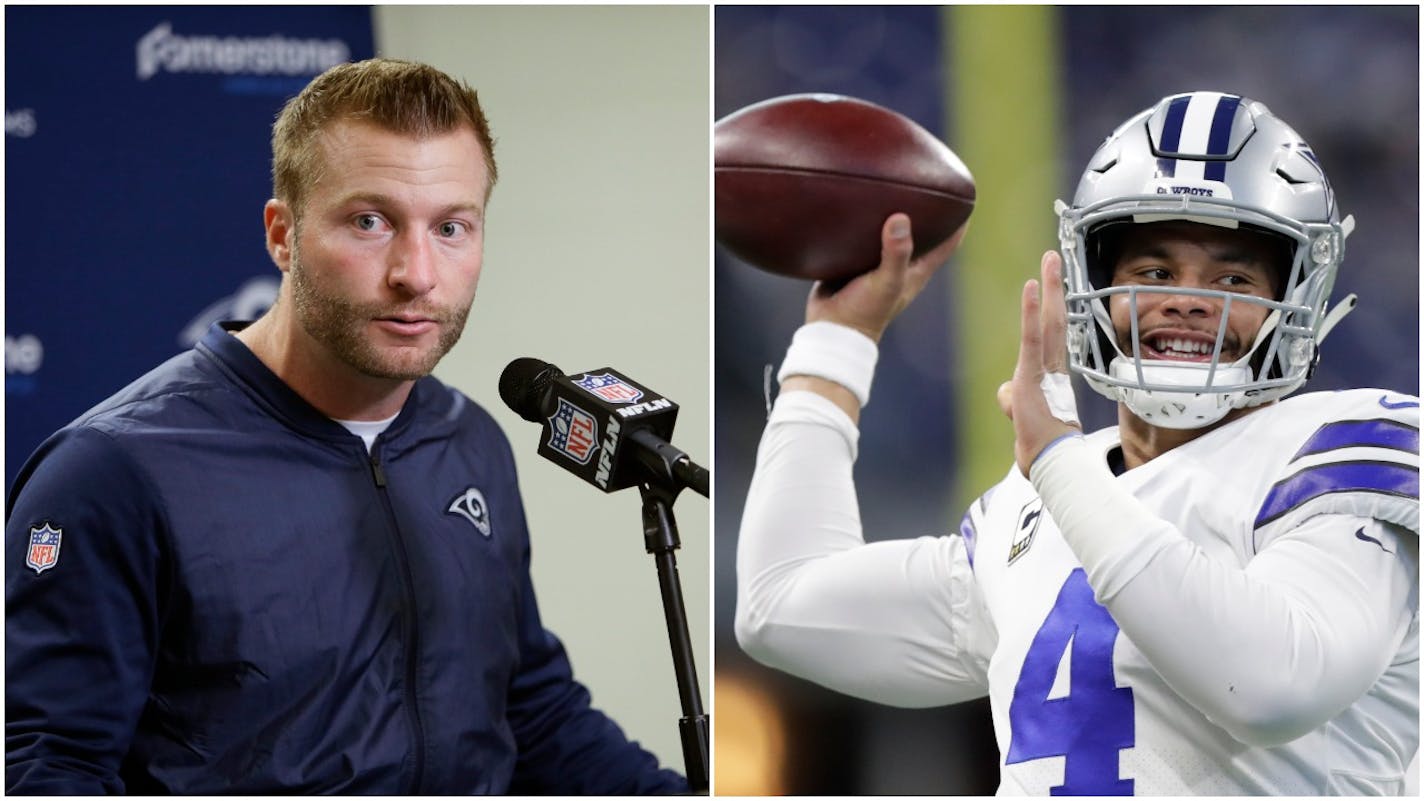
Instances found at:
x=898 y=622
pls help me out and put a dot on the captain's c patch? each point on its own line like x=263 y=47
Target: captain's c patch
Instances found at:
x=1029 y=517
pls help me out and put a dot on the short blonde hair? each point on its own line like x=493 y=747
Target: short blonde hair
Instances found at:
x=400 y=96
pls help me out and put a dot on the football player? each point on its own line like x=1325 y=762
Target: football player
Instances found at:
x=1219 y=595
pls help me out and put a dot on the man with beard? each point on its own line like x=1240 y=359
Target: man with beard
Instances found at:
x=289 y=560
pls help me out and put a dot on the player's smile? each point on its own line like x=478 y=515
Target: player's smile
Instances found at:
x=1185 y=345
x=1183 y=327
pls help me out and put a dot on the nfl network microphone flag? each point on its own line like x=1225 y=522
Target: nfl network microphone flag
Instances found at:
x=589 y=415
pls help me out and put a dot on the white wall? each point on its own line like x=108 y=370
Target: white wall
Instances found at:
x=597 y=254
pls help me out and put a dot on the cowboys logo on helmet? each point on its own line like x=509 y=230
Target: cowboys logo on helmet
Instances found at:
x=1217 y=159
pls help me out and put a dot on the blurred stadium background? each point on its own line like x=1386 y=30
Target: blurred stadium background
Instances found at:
x=1024 y=95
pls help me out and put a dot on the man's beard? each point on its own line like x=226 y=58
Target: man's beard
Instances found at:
x=341 y=325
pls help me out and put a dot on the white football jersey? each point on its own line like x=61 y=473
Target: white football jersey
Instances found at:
x=1078 y=709
x=1262 y=581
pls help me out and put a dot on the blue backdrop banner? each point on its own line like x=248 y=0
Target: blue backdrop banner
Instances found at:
x=137 y=160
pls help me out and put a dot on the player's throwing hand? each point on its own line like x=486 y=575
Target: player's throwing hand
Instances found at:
x=870 y=301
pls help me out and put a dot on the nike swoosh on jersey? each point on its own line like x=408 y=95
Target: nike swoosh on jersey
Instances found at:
x=1407 y=404
x=1361 y=535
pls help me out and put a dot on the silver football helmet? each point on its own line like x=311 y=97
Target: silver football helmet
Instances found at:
x=1218 y=159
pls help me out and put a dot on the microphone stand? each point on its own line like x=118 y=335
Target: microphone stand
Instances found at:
x=661 y=540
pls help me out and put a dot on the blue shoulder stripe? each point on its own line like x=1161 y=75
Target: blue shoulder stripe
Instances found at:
x=1381 y=433
x=966 y=530
x=966 y=525
x=1386 y=478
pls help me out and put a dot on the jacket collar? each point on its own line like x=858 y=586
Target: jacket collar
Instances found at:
x=235 y=358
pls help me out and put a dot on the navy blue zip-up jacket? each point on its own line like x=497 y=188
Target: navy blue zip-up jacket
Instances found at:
x=211 y=587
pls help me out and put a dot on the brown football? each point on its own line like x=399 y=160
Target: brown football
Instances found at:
x=803 y=184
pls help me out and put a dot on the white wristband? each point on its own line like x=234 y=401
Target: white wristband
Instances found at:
x=834 y=352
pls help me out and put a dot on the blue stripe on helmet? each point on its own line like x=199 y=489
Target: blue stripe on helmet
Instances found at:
x=1381 y=433
x=1219 y=138
x=1172 y=124
x=1166 y=168
x=1386 y=478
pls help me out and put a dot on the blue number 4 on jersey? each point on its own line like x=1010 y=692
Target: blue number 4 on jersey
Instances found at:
x=1094 y=720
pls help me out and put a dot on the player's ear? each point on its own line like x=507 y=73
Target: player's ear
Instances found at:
x=281 y=232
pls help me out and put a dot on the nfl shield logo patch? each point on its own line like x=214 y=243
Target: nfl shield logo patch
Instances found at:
x=44 y=548
x=573 y=432
x=610 y=387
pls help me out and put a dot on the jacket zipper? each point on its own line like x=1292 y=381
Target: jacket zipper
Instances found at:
x=412 y=649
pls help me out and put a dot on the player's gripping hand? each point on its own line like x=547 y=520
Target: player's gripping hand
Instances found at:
x=871 y=300
x=1043 y=351
x=868 y=302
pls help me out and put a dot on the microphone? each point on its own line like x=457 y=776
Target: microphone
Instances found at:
x=601 y=425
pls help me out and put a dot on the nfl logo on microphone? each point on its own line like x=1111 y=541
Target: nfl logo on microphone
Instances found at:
x=610 y=387
x=573 y=432
x=44 y=548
